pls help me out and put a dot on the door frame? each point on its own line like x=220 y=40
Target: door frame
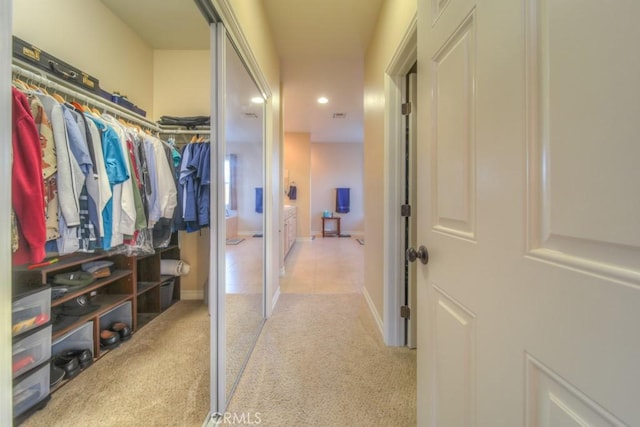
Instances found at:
x=394 y=82
x=6 y=386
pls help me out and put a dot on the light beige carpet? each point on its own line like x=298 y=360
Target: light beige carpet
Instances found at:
x=243 y=321
x=320 y=361
x=158 y=378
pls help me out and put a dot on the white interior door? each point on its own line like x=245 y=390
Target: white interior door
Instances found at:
x=528 y=171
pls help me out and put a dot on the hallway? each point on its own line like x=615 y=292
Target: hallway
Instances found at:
x=320 y=360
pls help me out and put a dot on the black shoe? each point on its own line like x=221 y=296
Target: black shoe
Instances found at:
x=85 y=358
x=56 y=375
x=122 y=329
x=109 y=339
x=70 y=365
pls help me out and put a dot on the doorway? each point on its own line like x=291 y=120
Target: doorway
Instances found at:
x=395 y=228
x=408 y=211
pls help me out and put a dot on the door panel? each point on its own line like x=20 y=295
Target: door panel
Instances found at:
x=454 y=360
x=552 y=402
x=453 y=71
x=528 y=204
x=581 y=129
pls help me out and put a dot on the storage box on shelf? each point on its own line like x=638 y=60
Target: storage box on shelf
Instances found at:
x=76 y=339
x=154 y=290
x=31 y=346
x=80 y=338
x=31 y=391
x=30 y=350
x=122 y=314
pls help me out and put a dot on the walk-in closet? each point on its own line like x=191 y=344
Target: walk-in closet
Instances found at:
x=142 y=228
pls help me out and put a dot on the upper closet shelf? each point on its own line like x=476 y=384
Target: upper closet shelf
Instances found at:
x=33 y=74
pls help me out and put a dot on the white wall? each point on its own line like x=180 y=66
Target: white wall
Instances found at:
x=337 y=165
x=394 y=19
x=181 y=83
x=90 y=37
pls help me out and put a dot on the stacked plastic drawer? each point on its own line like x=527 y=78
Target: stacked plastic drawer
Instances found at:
x=31 y=350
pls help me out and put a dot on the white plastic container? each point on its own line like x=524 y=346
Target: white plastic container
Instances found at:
x=31 y=351
x=31 y=311
x=80 y=338
x=31 y=390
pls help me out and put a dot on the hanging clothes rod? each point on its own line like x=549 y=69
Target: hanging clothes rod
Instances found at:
x=38 y=76
x=169 y=131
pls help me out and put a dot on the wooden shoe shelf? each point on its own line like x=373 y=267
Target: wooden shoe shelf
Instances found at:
x=131 y=294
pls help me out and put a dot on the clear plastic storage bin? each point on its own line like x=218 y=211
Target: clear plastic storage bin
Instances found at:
x=79 y=339
x=31 y=311
x=166 y=293
x=31 y=390
x=122 y=313
x=31 y=351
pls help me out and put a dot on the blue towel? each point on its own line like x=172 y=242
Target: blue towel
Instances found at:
x=293 y=192
x=259 y=199
x=342 y=200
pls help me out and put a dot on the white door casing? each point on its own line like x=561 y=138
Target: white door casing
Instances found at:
x=528 y=205
x=6 y=373
x=412 y=138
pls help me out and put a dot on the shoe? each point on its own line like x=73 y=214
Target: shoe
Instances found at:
x=122 y=329
x=85 y=358
x=109 y=339
x=56 y=375
x=70 y=365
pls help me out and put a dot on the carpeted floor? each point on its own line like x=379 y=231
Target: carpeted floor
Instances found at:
x=320 y=361
x=243 y=321
x=158 y=378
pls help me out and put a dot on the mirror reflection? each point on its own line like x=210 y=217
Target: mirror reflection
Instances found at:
x=244 y=212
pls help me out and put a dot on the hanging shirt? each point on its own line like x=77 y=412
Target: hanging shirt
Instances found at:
x=204 y=179
x=127 y=224
x=117 y=173
x=188 y=179
x=79 y=142
x=101 y=194
x=49 y=166
x=163 y=200
x=68 y=194
x=27 y=185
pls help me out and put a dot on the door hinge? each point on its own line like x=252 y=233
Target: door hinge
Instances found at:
x=405 y=210
x=405 y=312
x=406 y=109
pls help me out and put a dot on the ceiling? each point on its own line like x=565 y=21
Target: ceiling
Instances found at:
x=321 y=45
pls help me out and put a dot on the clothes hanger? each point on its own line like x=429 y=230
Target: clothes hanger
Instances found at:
x=78 y=106
x=58 y=98
x=20 y=84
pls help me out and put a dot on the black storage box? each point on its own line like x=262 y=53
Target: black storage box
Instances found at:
x=45 y=61
x=124 y=102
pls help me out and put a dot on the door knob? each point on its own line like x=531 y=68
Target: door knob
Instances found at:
x=422 y=254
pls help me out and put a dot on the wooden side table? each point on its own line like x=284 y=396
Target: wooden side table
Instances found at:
x=328 y=221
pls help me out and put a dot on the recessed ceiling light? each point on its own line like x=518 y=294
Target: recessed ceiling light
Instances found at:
x=257 y=100
x=323 y=100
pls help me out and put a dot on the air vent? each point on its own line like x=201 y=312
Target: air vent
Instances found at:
x=251 y=115
x=339 y=115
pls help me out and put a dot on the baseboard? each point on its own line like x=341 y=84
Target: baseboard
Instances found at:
x=192 y=295
x=374 y=311
x=304 y=239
